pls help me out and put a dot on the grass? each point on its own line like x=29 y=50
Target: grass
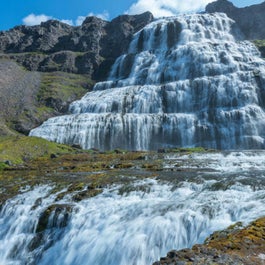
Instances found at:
x=64 y=86
x=188 y=150
x=20 y=149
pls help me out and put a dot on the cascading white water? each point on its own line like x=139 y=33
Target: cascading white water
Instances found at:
x=138 y=223
x=186 y=81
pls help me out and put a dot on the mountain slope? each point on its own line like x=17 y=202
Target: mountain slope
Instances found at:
x=44 y=68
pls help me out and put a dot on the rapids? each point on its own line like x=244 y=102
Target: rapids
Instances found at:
x=185 y=81
x=137 y=223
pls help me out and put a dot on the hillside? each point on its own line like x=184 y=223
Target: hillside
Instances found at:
x=44 y=68
x=28 y=97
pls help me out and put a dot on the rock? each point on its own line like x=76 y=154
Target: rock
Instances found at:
x=161 y=150
x=235 y=245
x=8 y=163
x=120 y=31
x=251 y=19
x=77 y=146
x=55 y=46
x=54 y=216
x=52 y=156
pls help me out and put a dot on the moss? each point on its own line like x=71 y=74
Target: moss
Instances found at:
x=20 y=149
x=42 y=111
x=188 y=150
x=3 y=166
x=57 y=209
x=86 y=194
x=260 y=44
x=63 y=86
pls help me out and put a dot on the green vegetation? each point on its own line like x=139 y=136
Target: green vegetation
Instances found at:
x=188 y=150
x=260 y=44
x=3 y=166
x=63 y=86
x=21 y=149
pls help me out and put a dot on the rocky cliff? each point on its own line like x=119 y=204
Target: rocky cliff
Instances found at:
x=44 y=68
x=250 y=19
x=88 y=49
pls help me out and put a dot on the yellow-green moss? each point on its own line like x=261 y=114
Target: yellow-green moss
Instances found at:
x=63 y=86
x=188 y=150
x=19 y=149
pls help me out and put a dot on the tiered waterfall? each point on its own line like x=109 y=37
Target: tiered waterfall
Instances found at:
x=185 y=81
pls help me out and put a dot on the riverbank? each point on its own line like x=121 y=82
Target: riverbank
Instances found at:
x=30 y=161
x=171 y=199
x=235 y=245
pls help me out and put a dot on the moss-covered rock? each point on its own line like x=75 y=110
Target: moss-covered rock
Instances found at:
x=235 y=245
x=50 y=217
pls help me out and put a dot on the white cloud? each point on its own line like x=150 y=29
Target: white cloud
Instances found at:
x=104 y=15
x=68 y=21
x=164 y=8
x=80 y=19
x=33 y=19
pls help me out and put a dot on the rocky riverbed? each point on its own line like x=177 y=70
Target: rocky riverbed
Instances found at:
x=172 y=199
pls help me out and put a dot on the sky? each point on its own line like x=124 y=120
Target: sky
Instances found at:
x=73 y=12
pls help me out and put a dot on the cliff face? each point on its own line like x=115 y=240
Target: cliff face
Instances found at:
x=251 y=19
x=59 y=62
x=54 y=46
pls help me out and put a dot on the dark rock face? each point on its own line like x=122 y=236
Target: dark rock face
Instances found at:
x=251 y=19
x=55 y=46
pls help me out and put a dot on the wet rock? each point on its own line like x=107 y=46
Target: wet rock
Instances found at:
x=86 y=194
x=54 y=216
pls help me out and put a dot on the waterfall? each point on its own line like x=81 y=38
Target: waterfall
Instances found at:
x=137 y=223
x=188 y=80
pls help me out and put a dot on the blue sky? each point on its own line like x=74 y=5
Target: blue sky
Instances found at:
x=29 y=12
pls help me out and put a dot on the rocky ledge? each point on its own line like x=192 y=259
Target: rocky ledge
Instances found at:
x=234 y=246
